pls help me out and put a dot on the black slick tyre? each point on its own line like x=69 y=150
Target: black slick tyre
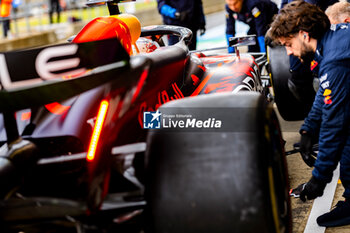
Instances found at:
x=290 y=108
x=229 y=180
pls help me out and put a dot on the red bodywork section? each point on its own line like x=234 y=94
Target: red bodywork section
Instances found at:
x=103 y=28
x=167 y=74
x=227 y=73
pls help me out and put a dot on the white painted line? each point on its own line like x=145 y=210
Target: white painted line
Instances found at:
x=322 y=205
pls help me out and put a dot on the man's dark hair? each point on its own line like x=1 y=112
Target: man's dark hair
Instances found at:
x=296 y=16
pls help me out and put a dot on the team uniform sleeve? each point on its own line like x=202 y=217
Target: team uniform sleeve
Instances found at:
x=333 y=130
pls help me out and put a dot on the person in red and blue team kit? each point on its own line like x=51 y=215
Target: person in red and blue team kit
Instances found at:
x=257 y=14
x=185 y=13
x=308 y=35
x=338 y=12
x=301 y=81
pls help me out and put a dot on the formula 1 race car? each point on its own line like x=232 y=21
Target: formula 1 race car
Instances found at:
x=117 y=131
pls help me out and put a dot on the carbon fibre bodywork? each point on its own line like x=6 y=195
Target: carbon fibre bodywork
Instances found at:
x=62 y=130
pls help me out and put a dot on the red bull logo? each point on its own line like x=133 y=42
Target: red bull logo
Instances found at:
x=327 y=96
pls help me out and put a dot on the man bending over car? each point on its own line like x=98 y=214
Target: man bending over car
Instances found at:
x=301 y=81
x=257 y=14
x=304 y=30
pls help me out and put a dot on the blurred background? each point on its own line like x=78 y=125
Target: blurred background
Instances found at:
x=29 y=16
x=30 y=24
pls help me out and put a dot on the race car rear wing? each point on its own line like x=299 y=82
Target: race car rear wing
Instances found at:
x=35 y=77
